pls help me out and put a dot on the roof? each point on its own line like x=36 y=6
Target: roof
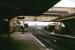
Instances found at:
x=58 y=13
x=66 y=17
x=11 y=8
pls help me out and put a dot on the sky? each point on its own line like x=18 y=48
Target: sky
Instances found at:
x=65 y=3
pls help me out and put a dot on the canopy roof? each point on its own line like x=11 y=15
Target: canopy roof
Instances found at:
x=24 y=7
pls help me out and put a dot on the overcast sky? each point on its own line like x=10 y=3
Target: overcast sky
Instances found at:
x=65 y=3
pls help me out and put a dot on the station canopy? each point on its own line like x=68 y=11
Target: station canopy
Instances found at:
x=10 y=8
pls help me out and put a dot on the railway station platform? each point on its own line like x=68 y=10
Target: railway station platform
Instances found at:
x=25 y=41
